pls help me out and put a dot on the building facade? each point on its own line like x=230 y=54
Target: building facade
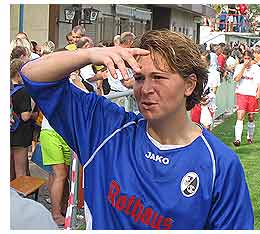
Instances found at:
x=44 y=22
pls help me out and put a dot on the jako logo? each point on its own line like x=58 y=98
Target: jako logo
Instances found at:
x=157 y=158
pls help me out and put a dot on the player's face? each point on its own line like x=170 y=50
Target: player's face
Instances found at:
x=160 y=95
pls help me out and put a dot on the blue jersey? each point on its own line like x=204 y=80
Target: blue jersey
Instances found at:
x=130 y=182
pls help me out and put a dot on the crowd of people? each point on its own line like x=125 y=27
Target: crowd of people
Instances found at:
x=238 y=62
x=60 y=105
x=33 y=126
x=232 y=18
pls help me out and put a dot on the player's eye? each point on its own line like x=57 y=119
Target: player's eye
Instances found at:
x=138 y=77
x=159 y=77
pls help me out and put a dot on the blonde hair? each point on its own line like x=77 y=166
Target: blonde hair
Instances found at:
x=47 y=47
x=23 y=43
x=127 y=38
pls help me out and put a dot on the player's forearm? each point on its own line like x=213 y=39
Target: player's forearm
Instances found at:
x=56 y=65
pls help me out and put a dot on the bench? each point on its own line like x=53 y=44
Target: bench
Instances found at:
x=27 y=185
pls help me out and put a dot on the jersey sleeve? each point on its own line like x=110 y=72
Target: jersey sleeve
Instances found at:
x=231 y=207
x=83 y=119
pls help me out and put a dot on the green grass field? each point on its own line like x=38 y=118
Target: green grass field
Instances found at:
x=249 y=156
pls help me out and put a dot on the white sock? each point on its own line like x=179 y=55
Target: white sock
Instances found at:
x=250 y=130
x=239 y=129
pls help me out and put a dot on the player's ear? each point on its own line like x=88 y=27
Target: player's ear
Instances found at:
x=190 y=84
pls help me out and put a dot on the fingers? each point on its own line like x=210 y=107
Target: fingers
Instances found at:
x=108 y=62
x=131 y=60
x=118 y=57
x=119 y=62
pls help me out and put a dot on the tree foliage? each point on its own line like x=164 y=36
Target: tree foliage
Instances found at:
x=255 y=9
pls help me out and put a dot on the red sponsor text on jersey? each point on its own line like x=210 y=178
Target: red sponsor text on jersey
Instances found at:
x=134 y=208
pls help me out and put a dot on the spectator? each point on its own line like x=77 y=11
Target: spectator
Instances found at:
x=24 y=43
x=120 y=84
x=232 y=17
x=21 y=138
x=55 y=153
x=128 y=185
x=90 y=79
x=47 y=48
x=221 y=60
x=257 y=55
x=77 y=32
x=204 y=112
x=243 y=11
x=247 y=94
x=23 y=37
x=69 y=38
x=242 y=49
x=20 y=52
x=230 y=64
x=116 y=40
x=85 y=42
x=36 y=48
x=222 y=19
x=126 y=39
x=213 y=57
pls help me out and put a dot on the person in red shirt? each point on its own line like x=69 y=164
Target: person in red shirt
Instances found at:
x=221 y=60
x=243 y=10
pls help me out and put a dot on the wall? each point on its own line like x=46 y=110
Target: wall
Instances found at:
x=36 y=21
x=183 y=21
x=14 y=20
x=63 y=27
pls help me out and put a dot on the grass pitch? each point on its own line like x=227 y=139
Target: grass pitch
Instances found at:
x=249 y=156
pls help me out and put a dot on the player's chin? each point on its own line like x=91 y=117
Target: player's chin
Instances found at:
x=149 y=115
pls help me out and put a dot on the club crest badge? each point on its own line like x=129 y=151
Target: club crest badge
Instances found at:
x=189 y=184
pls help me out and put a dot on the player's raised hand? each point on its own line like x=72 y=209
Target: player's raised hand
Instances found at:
x=117 y=57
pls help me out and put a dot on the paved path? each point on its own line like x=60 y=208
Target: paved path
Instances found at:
x=43 y=195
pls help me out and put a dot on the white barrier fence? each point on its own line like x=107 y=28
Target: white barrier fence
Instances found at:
x=225 y=98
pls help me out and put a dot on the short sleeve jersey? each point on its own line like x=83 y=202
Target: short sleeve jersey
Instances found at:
x=249 y=81
x=129 y=182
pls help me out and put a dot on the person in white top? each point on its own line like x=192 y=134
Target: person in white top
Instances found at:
x=213 y=57
x=247 y=76
x=208 y=103
x=120 y=84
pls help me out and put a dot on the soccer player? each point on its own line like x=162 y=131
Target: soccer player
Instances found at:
x=247 y=94
x=155 y=170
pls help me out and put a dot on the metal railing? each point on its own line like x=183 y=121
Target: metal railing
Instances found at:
x=225 y=97
x=233 y=23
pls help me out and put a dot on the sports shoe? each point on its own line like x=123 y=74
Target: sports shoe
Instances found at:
x=236 y=143
x=250 y=141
